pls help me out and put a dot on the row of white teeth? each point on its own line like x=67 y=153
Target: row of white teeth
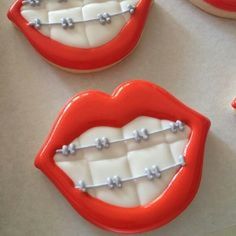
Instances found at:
x=67 y=22
x=117 y=182
x=104 y=142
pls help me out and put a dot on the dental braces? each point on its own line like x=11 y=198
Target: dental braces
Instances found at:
x=105 y=143
x=67 y=22
x=117 y=182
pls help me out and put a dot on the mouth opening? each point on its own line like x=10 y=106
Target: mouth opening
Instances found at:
x=76 y=23
x=129 y=166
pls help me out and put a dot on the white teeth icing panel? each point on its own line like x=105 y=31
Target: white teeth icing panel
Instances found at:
x=77 y=23
x=126 y=171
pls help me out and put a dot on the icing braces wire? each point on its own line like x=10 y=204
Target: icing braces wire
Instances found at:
x=104 y=143
x=152 y=173
x=67 y=22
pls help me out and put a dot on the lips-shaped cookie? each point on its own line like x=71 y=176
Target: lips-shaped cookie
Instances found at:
x=222 y=8
x=233 y=104
x=81 y=35
x=127 y=162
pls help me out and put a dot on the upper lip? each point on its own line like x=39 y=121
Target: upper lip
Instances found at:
x=79 y=58
x=128 y=101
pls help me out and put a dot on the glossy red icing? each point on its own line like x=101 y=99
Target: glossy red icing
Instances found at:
x=84 y=59
x=128 y=101
x=228 y=5
x=233 y=104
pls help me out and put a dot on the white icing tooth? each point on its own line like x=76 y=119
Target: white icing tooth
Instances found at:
x=150 y=124
x=115 y=150
x=158 y=155
x=106 y=31
x=102 y=170
x=75 y=37
x=76 y=169
x=126 y=173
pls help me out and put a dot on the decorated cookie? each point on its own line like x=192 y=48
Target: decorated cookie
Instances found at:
x=233 y=104
x=81 y=35
x=127 y=162
x=222 y=8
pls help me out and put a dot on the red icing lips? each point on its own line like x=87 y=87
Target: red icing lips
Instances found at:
x=78 y=59
x=128 y=101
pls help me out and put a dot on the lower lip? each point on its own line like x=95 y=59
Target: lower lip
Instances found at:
x=227 y=5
